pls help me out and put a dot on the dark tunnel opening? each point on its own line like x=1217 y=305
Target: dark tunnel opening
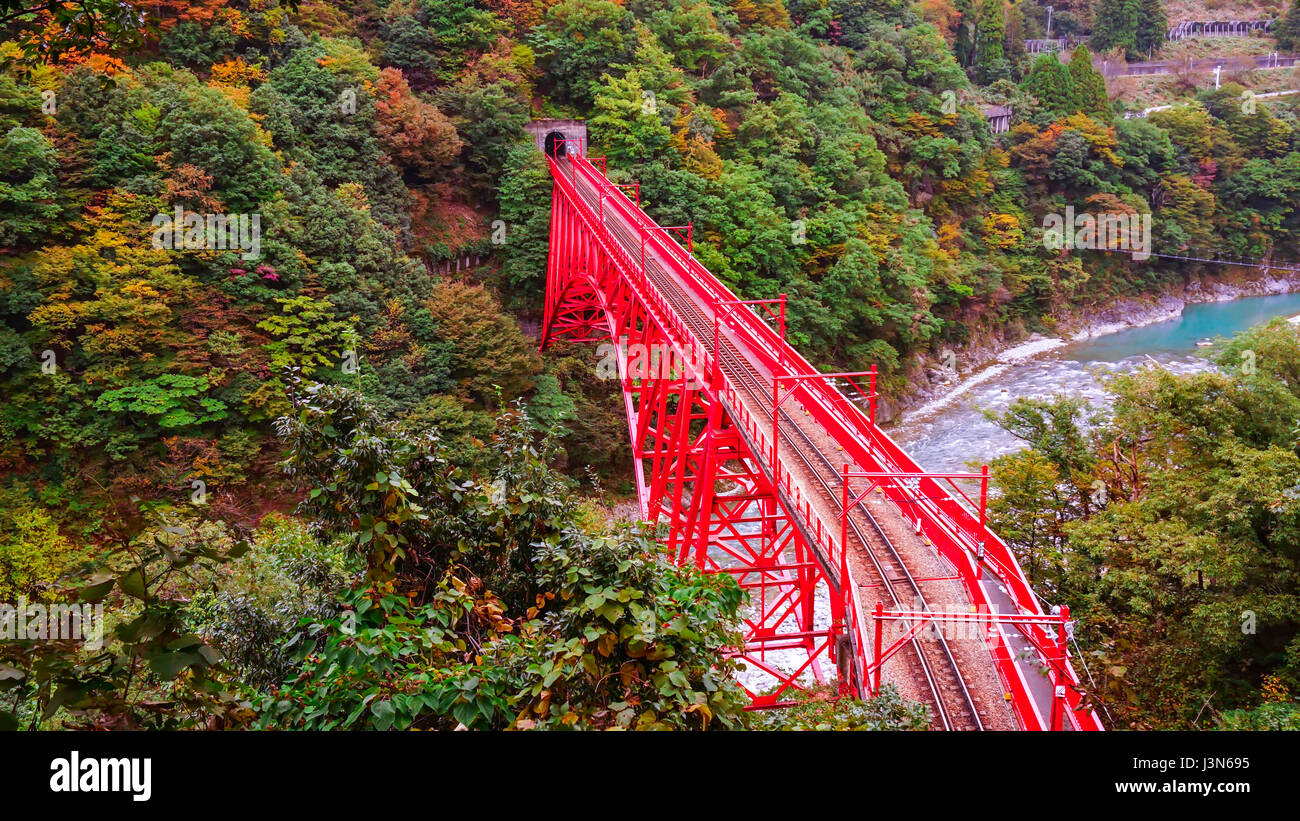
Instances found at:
x=555 y=146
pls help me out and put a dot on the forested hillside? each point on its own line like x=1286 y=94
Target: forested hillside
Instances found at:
x=832 y=150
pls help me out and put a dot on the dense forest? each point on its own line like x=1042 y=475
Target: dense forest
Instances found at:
x=335 y=434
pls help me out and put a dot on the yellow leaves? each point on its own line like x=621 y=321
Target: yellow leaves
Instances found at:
x=768 y=13
x=1003 y=231
x=920 y=125
x=267 y=401
x=706 y=715
x=949 y=238
x=57 y=317
x=1274 y=690
x=344 y=58
x=647 y=720
x=630 y=672
x=234 y=79
x=969 y=186
x=1100 y=137
x=540 y=604
x=237 y=94
x=722 y=130
x=236 y=22
x=236 y=73
x=105 y=64
x=140 y=289
x=353 y=195
x=36 y=554
x=264 y=137
x=699 y=158
x=606 y=644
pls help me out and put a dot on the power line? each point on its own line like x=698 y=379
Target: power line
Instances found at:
x=1244 y=263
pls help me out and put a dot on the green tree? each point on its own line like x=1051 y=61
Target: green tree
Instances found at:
x=1052 y=428
x=627 y=123
x=1088 y=87
x=33 y=553
x=1029 y=513
x=690 y=32
x=1150 y=27
x=28 y=188
x=178 y=401
x=526 y=181
x=577 y=42
x=490 y=358
x=1052 y=84
x=1114 y=25
x=990 y=30
x=1287 y=30
x=489 y=105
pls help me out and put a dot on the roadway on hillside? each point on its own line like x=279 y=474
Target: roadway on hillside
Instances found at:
x=1120 y=68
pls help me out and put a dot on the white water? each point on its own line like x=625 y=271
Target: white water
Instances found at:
x=950 y=433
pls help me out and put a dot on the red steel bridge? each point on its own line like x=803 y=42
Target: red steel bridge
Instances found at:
x=862 y=568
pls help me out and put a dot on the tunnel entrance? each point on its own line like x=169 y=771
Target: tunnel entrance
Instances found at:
x=555 y=147
x=550 y=135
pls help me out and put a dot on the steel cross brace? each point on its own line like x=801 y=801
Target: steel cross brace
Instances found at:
x=1060 y=620
x=878 y=476
x=604 y=184
x=645 y=233
x=721 y=315
x=798 y=379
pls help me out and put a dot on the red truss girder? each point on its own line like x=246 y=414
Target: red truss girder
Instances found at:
x=710 y=472
x=695 y=472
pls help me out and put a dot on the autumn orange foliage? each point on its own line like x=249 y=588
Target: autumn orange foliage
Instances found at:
x=415 y=133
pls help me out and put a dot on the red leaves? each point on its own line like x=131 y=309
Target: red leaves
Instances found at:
x=416 y=134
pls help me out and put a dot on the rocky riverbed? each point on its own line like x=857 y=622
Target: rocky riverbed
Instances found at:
x=947 y=372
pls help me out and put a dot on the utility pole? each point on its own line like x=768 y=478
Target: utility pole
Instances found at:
x=1049 y=22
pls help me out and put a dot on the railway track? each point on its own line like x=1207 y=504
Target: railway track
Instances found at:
x=931 y=661
x=953 y=704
